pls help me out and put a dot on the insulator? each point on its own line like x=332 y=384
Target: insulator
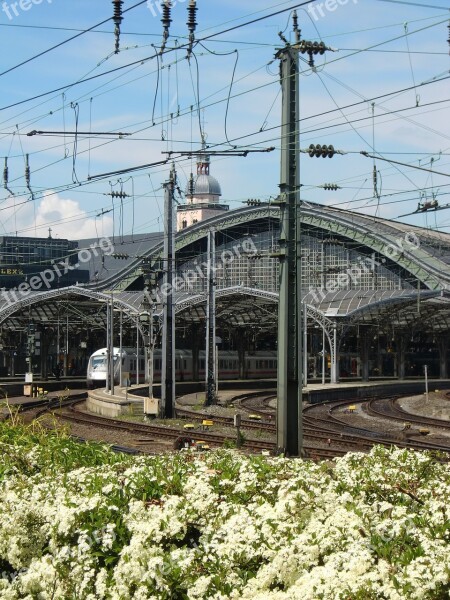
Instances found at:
x=324 y=151
x=166 y=21
x=192 y=11
x=117 y=18
x=297 y=31
x=5 y=173
x=27 y=172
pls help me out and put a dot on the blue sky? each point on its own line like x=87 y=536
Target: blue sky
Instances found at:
x=379 y=48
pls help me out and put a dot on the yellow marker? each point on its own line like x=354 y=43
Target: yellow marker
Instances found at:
x=188 y=426
x=207 y=423
x=255 y=417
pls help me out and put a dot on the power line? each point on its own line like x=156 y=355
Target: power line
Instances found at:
x=396 y=162
x=28 y=60
x=416 y=4
x=166 y=51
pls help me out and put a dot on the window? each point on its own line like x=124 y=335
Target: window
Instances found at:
x=184 y=224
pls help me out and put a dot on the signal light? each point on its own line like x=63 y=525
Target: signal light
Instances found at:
x=253 y=202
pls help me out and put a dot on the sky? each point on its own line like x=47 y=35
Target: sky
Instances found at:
x=382 y=88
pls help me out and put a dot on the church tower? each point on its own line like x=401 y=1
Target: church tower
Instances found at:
x=202 y=196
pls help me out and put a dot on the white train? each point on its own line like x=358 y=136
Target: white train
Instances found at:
x=257 y=365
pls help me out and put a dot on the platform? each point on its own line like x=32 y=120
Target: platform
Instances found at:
x=122 y=403
x=130 y=401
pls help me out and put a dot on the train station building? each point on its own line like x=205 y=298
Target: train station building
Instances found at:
x=376 y=292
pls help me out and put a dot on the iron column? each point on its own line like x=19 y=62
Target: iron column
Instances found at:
x=211 y=373
x=168 y=336
x=289 y=393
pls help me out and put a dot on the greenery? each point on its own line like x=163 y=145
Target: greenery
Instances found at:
x=81 y=522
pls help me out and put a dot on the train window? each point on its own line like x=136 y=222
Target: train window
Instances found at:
x=185 y=364
x=97 y=362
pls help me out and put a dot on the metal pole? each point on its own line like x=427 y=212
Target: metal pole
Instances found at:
x=426 y=382
x=137 y=350
x=150 y=354
x=323 y=356
x=334 y=356
x=58 y=345
x=168 y=337
x=211 y=373
x=111 y=327
x=290 y=364
x=66 y=353
x=305 y=345
x=121 y=346
x=108 y=347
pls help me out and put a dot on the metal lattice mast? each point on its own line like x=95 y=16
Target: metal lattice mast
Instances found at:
x=289 y=393
x=168 y=336
x=211 y=375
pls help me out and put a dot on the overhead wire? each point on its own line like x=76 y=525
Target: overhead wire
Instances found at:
x=200 y=125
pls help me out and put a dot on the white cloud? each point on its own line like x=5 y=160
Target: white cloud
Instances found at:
x=66 y=218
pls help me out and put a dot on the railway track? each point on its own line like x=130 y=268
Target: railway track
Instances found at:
x=309 y=433
x=319 y=430
x=153 y=431
x=390 y=409
x=333 y=424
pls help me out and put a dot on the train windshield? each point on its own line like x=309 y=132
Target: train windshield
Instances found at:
x=98 y=362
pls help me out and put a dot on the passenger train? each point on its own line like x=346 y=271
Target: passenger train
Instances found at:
x=258 y=365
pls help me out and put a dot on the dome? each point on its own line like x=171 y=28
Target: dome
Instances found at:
x=205 y=185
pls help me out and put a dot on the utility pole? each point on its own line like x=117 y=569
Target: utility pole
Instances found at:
x=168 y=335
x=111 y=339
x=108 y=346
x=289 y=393
x=290 y=361
x=211 y=350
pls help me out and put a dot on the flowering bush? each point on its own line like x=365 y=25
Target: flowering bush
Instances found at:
x=221 y=525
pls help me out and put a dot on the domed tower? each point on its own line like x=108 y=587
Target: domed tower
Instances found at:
x=202 y=196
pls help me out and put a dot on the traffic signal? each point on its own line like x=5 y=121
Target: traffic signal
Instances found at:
x=323 y=151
